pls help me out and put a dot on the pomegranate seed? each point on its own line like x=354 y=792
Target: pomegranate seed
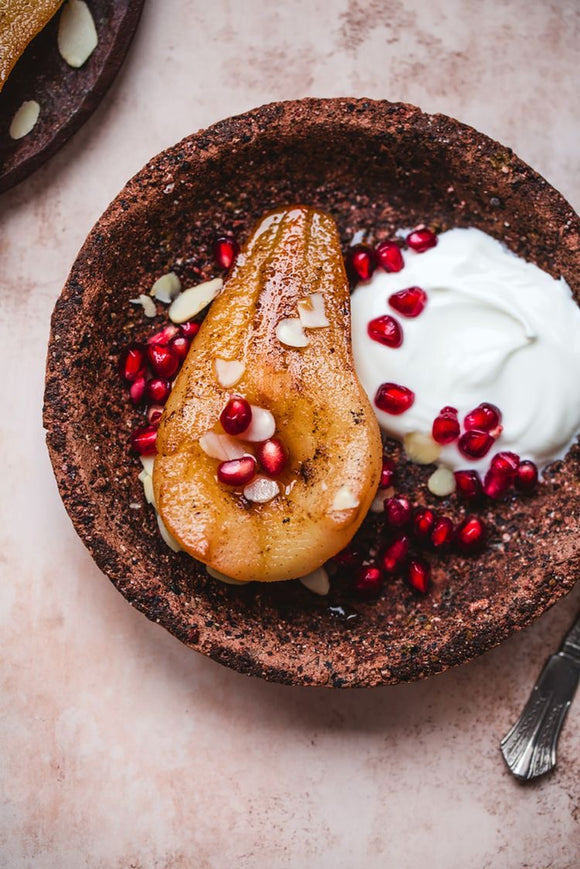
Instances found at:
x=157 y=390
x=225 y=251
x=361 y=261
x=448 y=411
x=237 y=472
x=395 y=554
x=442 y=534
x=348 y=557
x=505 y=464
x=419 y=574
x=475 y=444
x=189 y=330
x=164 y=336
x=495 y=485
x=272 y=456
x=368 y=581
x=470 y=535
x=397 y=511
x=236 y=415
x=137 y=390
x=132 y=362
x=385 y=330
x=421 y=239
x=409 y=302
x=485 y=417
x=143 y=440
x=526 y=477
x=180 y=346
x=162 y=360
x=445 y=428
x=154 y=414
x=393 y=398
x=423 y=522
x=387 y=474
x=389 y=256
x=468 y=485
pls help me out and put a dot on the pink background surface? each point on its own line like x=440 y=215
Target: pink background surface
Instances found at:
x=118 y=746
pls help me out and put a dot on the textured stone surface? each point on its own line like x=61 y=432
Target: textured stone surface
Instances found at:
x=121 y=747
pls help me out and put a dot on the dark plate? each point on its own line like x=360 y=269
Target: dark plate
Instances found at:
x=372 y=165
x=67 y=96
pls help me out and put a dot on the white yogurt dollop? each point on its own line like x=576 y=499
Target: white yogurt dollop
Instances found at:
x=495 y=329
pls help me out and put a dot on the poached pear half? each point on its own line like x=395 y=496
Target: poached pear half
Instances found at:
x=322 y=414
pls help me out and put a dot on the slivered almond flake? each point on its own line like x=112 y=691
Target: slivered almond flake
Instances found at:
x=147 y=481
x=441 y=482
x=216 y=574
x=222 y=447
x=378 y=505
x=148 y=462
x=317 y=581
x=421 y=448
x=311 y=312
x=166 y=288
x=291 y=333
x=77 y=35
x=24 y=119
x=344 y=500
x=261 y=490
x=147 y=303
x=171 y=541
x=228 y=371
x=262 y=426
x=193 y=300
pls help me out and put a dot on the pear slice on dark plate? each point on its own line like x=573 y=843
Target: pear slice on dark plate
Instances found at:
x=373 y=166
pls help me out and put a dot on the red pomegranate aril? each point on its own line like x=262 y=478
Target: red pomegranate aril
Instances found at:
x=485 y=417
x=368 y=581
x=189 y=330
x=526 y=478
x=237 y=472
x=137 y=390
x=445 y=428
x=442 y=534
x=236 y=415
x=448 y=411
x=496 y=484
x=361 y=262
x=348 y=557
x=475 y=444
x=505 y=464
x=143 y=440
x=419 y=574
x=157 y=390
x=421 y=239
x=154 y=414
x=387 y=473
x=132 y=362
x=393 y=398
x=272 y=456
x=409 y=302
x=162 y=360
x=468 y=485
x=225 y=251
x=164 y=336
x=389 y=256
x=398 y=512
x=180 y=346
x=423 y=522
x=386 y=330
x=393 y=557
x=470 y=535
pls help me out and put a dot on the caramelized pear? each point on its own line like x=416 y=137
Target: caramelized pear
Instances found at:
x=20 y=22
x=323 y=417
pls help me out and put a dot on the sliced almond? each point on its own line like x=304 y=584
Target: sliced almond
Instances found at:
x=262 y=426
x=77 y=35
x=261 y=490
x=344 y=500
x=311 y=312
x=291 y=333
x=193 y=300
x=166 y=288
x=222 y=447
x=24 y=119
x=148 y=462
x=147 y=481
x=216 y=574
x=147 y=304
x=228 y=371
x=441 y=482
x=317 y=581
x=421 y=448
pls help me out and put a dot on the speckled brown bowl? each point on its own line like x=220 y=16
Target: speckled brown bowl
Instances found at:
x=375 y=166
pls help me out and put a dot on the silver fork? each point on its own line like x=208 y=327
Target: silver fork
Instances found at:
x=529 y=749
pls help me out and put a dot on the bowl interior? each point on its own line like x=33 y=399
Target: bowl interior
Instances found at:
x=374 y=166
